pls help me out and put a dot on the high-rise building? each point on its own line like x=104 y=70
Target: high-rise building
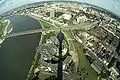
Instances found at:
x=52 y=13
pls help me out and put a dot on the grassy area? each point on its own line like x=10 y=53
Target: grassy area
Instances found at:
x=70 y=36
x=84 y=63
x=3 y=26
x=45 y=24
x=69 y=41
x=44 y=75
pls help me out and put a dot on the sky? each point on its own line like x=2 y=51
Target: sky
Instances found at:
x=111 y=5
x=1 y=1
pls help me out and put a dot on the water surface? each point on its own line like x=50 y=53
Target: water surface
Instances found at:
x=17 y=53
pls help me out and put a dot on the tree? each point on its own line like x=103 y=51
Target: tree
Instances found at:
x=52 y=78
x=57 y=14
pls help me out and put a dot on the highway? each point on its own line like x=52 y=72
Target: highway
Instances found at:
x=82 y=26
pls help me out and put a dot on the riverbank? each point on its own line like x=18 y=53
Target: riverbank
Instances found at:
x=4 y=31
x=36 y=57
x=17 y=53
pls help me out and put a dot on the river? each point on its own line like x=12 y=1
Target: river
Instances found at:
x=17 y=53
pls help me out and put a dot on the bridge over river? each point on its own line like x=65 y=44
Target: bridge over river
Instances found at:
x=82 y=26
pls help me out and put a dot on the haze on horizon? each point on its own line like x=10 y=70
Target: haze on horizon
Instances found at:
x=113 y=5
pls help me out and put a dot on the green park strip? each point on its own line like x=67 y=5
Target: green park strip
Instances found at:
x=44 y=75
x=3 y=29
x=69 y=38
x=45 y=24
x=84 y=63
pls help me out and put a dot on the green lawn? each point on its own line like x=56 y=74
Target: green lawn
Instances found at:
x=68 y=36
x=84 y=63
x=45 y=24
x=3 y=25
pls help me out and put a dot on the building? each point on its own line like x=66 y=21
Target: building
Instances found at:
x=114 y=73
x=97 y=66
x=52 y=13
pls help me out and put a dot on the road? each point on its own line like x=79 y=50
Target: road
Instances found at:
x=82 y=26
